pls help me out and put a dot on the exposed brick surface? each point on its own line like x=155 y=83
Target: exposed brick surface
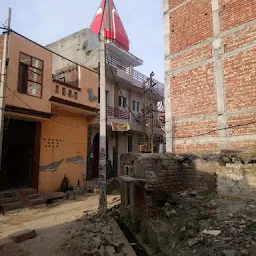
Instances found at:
x=236 y=12
x=174 y=173
x=140 y=202
x=171 y=173
x=240 y=38
x=242 y=119
x=188 y=129
x=239 y=80
x=192 y=92
x=192 y=56
x=174 y=3
x=242 y=145
x=190 y=24
x=166 y=174
x=196 y=148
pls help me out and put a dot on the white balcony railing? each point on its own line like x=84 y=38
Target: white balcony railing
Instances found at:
x=118 y=63
x=126 y=67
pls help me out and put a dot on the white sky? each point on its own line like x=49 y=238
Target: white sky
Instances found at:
x=46 y=21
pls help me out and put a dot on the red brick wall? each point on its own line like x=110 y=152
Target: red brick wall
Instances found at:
x=190 y=24
x=240 y=38
x=192 y=92
x=196 y=147
x=174 y=3
x=239 y=80
x=242 y=119
x=188 y=129
x=192 y=56
x=192 y=83
x=243 y=145
x=236 y=12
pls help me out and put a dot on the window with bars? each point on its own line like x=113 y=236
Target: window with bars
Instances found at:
x=30 y=75
x=133 y=105
x=122 y=102
x=140 y=139
x=136 y=106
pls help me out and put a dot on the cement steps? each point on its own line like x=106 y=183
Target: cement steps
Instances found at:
x=33 y=196
x=5 y=194
x=28 y=191
x=36 y=201
x=11 y=206
x=7 y=200
x=20 y=198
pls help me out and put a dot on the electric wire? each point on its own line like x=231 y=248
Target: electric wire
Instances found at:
x=214 y=130
x=174 y=137
x=116 y=83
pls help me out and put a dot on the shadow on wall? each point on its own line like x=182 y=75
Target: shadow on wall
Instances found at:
x=155 y=179
x=164 y=174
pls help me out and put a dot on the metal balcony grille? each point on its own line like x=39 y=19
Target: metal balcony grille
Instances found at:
x=118 y=113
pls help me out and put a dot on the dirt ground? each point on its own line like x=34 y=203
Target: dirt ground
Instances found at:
x=55 y=226
x=205 y=226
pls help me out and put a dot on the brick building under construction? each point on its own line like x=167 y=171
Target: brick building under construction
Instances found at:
x=210 y=75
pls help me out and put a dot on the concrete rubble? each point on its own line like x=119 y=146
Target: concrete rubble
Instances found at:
x=23 y=235
x=97 y=236
x=195 y=224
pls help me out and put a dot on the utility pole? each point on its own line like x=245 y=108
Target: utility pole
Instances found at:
x=108 y=21
x=151 y=84
x=103 y=128
x=3 y=80
x=144 y=117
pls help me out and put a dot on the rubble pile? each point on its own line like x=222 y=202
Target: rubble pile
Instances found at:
x=94 y=236
x=190 y=224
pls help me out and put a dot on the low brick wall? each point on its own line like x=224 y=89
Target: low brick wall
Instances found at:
x=169 y=173
x=172 y=173
x=164 y=174
x=226 y=174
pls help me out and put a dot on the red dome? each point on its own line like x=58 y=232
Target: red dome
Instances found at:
x=115 y=31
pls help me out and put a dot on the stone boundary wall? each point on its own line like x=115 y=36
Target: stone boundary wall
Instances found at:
x=169 y=173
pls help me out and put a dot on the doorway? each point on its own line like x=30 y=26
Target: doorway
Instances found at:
x=130 y=138
x=18 y=154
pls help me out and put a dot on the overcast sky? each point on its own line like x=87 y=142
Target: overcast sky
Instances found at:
x=49 y=20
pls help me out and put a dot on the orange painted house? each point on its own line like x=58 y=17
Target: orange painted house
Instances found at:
x=46 y=119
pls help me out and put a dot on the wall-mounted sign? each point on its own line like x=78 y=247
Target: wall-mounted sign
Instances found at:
x=116 y=127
